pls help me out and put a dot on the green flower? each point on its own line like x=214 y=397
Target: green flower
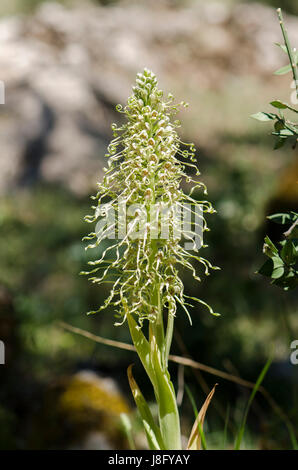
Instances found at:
x=142 y=201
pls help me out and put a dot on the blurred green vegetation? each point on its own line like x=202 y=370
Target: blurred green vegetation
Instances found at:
x=41 y=255
x=40 y=263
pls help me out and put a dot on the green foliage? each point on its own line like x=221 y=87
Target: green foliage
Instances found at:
x=251 y=398
x=37 y=261
x=153 y=433
x=282 y=265
x=284 y=129
x=195 y=412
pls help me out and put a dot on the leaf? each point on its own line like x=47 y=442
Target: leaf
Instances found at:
x=152 y=431
x=195 y=410
x=166 y=399
x=288 y=252
x=279 y=104
x=286 y=132
x=283 y=218
x=263 y=116
x=127 y=428
x=282 y=46
x=194 y=442
x=278 y=267
x=273 y=267
x=291 y=127
x=286 y=68
x=253 y=393
x=269 y=249
x=290 y=281
x=142 y=347
x=283 y=70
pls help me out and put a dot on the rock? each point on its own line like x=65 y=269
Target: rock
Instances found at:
x=65 y=69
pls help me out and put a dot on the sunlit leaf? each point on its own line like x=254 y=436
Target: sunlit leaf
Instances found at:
x=194 y=442
x=166 y=399
x=269 y=248
x=152 y=431
x=278 y=267
x=279 y=104
x=263 y=116
x=283 y=70
x=282 y=46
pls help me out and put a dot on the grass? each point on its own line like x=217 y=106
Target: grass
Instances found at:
x=253 y=394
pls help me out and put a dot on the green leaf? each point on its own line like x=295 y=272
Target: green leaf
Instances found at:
x=251 y=398
x=279 y=104
x=127 y=428
x=195 y=410
x=273 y=267
x=152 y=431
x=286 y=132
x=269 y=249
x=142 y=347
x=166 y=399
x=278 y=267
x=283 y=70
x=282 y=46
x=263 y=116
x=289 y=281
x=288 y=252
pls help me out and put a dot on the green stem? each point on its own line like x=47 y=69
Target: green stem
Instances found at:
x=169 y=337
x=168 y=414
x=157 y=328
x=289 y=49
x=164 y=390
x=152 y=354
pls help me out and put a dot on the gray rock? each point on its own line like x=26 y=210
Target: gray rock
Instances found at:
x=65 y=69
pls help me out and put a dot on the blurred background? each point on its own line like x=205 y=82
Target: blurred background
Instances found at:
x=65 y=66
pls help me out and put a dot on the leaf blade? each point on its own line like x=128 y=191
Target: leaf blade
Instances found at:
x=194 y=442
x=152 y=431
x=252 y=395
